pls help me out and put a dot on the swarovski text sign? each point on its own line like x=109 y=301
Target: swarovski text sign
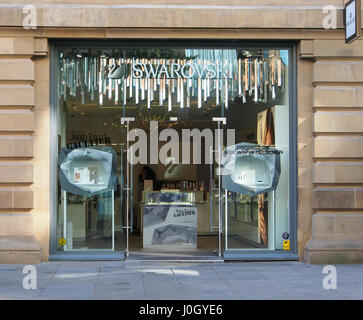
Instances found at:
x=188 y=70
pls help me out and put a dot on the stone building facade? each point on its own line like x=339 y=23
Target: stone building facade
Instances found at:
x=329 y=107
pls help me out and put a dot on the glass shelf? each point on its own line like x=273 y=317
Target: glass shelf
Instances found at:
x=169 y=197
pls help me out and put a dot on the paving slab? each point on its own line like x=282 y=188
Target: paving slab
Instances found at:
x=175 y=281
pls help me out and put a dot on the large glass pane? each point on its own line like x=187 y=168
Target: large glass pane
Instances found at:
x=258 y=219
x=89 y=222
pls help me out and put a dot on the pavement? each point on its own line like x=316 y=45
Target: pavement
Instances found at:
x=180 y=281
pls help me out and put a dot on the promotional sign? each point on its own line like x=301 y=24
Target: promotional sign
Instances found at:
x=87 y=171
x=250 y=169
x=352 y=20
x=169 y=225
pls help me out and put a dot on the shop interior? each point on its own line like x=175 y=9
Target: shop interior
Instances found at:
x=91 y=116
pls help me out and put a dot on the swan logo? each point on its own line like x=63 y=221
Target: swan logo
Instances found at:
x=119 y=71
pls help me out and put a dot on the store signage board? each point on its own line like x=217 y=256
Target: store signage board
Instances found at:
x=177 y=71
x=352 y=20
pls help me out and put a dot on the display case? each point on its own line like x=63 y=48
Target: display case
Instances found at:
x=87 y=171
x=251 y=169
x=169 y=219
x=169 y=197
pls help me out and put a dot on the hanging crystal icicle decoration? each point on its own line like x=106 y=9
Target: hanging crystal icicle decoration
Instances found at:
x=136 y=83
x=199 y=93
x=255 y=67
x=239 y=78
x=189 y=84
x=124 y=92
x=131 y=82
x=226 y=93
x=256 y=76
x=242 y=77
x=110 y=61
x=100 y=83
x=217 y=86
x=160 y=92
x=148 y=93
x=169 y=95
x=142 y=84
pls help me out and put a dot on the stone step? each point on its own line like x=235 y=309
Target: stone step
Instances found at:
x=334 y=249
x=20 y=249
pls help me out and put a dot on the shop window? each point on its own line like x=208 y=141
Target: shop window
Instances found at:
x=178 y=89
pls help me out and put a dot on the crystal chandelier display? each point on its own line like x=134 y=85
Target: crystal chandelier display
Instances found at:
x=201 y=75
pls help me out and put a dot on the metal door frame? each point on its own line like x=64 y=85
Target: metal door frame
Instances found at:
x=128 y=188
x=129 y=176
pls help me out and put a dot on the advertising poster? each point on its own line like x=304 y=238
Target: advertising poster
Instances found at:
x=85 y=175
x=88 y=171
x=170 y=226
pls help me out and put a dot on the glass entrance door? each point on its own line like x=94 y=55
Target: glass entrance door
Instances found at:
x=171 y=188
